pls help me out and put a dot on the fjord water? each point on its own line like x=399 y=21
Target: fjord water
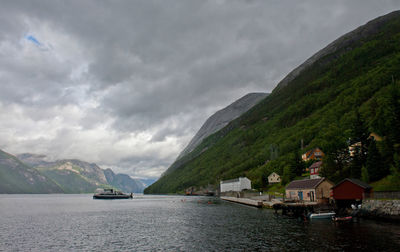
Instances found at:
x=173 y=223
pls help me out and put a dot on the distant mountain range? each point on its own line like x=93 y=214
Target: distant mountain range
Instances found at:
x=17 y=177
x=32 y=173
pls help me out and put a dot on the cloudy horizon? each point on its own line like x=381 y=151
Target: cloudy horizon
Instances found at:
x=127 y=84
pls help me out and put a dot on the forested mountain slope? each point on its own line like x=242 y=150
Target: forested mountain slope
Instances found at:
x=339 y=96
x=16 y=177
x=214 y=123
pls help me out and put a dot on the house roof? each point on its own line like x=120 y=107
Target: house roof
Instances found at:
x=316 y=165
x=276 y=174
x=230 y=181
x=310 y=152
x=233 y=180
x=305 y=183
x=354 y=181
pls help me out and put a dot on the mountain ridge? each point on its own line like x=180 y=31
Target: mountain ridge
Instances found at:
x=319 y=105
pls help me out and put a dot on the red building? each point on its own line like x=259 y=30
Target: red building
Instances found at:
x=350 y=190
x=315 y=169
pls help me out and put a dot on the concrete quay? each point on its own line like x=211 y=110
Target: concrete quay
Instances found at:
x=245 y=201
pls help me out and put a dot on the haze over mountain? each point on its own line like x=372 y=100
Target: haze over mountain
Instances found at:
x=320 y=103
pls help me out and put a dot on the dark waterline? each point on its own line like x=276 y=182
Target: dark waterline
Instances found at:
x=173 y=223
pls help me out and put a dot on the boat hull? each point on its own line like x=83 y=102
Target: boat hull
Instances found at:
x=322 y=215
x=112 y=197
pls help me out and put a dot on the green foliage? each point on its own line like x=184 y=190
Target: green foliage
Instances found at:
x=344 y=95
x=364 y=175
x=374 y=164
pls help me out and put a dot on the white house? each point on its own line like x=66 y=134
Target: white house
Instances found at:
x=235 y=185
x=274 y=178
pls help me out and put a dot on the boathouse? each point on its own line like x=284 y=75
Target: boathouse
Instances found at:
x=274 y=178
x=311 y=190
x=235 y=185
x=349 y=191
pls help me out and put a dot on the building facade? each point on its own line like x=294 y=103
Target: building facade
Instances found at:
x=235 y=185
x=312 y=190
x=274 y=178
x=350 y=189
x=315 y=169
x=314 y=154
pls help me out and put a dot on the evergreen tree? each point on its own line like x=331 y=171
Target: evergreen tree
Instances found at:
x=328 y=166
x=374 y=164
x=364 y=175
x=359 y=137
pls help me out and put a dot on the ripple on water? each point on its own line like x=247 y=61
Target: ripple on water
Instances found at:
x=171 y=223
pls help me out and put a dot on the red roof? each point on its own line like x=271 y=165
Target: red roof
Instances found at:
x=316 y=165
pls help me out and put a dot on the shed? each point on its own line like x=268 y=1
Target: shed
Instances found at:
x=274 y=178
x=350 y=189
x=309 y=189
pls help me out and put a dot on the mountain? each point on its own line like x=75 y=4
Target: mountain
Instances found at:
x=349 y=86
x=222 y=117
x=124 y=182
x=76 y=176
x=16 y=177
x=213 y=124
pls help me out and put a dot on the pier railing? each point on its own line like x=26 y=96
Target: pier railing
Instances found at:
x=383 y=195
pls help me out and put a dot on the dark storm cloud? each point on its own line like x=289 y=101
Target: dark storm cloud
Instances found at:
x=127 y=83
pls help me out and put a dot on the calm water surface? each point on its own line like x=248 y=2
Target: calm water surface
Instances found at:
x=173 y=223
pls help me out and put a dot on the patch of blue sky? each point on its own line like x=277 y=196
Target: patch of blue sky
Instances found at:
x=33 y=40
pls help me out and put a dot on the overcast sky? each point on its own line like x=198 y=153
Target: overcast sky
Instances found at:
x=127 y=84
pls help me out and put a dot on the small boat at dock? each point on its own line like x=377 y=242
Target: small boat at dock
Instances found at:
x=111 y=194
x=342 y=219
x=326 y=215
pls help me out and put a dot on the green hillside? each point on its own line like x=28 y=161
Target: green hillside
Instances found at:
x=16 y=177
x=337 y=100
x=71 y=176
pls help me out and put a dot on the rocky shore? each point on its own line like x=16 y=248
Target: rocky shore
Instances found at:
x=381 y=209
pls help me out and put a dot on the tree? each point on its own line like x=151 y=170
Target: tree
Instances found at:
x=364 y=175
x=374 y=164
x=359 y=138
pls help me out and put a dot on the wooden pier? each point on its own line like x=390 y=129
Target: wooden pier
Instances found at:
x=244 y=201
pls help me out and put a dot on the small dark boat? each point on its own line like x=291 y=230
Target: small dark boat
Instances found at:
x=111 y=194
x=342 y=219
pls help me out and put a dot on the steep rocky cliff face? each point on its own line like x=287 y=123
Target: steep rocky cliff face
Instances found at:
x=16 y=177
x=222 y=117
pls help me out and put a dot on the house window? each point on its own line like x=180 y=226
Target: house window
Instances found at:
x=312 y=170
